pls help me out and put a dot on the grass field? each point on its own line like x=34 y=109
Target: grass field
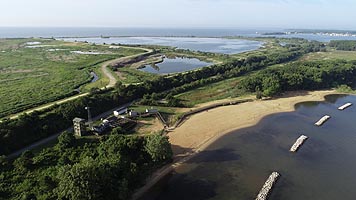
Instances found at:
x=330 y=55
x=211 y=92
x=133 y=76
x=37 y=71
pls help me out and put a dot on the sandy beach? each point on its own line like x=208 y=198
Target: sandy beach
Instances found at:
x=202 y=129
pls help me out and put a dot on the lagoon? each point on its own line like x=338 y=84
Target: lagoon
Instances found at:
x=212 y=45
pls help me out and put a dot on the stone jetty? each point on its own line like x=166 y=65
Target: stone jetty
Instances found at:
x=298 y=143
x=343 y=107
x=267 y=187
x=322 y=120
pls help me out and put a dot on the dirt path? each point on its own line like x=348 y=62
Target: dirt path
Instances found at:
x=107 y=72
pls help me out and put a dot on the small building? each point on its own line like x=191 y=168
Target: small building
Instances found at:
x=151 y=111
x=79 y=126
x=133 y=113
x=99 y=130
x=120 y=112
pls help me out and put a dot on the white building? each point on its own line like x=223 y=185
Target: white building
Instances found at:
x=120 y=112
x=151 y=111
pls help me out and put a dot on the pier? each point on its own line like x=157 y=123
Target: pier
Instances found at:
x=322 y=120
x=343 y=107
x=266 y=189
x=298 y=143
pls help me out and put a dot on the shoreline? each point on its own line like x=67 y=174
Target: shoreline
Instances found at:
x=211 y=125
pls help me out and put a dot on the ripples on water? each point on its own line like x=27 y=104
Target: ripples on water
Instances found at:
x=236 y=166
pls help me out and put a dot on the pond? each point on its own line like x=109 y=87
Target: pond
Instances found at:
x=175 y=65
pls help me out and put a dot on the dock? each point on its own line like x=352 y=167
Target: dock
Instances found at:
x=343 y=107
x=298 y=143
x=322 y=120
x=267 y=187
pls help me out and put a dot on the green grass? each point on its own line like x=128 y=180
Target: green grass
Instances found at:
x=132 y=76
x=170 y=114
x=33 y=76
x=211 y=92
x=330 y=55
x=142 y=108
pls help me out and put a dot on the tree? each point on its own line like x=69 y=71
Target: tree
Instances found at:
x=3 y=162
x=174 y=102
x=117 y=131
x=158 y=147
x=271 y=86
x=258 y=94
x=66 y=140
x=24 y=162
x=91 y=179
x=94 y=90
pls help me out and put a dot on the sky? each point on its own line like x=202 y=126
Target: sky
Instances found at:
x=322 y=14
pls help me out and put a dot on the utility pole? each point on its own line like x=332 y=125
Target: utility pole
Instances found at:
x=90 y=121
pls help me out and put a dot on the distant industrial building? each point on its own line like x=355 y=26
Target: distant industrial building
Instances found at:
x=79 y=126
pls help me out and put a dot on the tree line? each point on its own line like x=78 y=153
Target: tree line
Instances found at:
x=301 y=76
x=109 y=168
x=344 y=45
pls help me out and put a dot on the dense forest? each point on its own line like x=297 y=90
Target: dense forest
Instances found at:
x=17 y=133
x=344 y=45
x=109 y=168
x=301 y=76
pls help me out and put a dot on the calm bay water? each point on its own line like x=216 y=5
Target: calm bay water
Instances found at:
x=214 y=45
x=237 y=165
x=174 y=65
x=14 y=32
x=25 y=32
